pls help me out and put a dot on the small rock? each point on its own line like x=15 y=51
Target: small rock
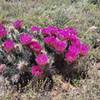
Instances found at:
x=98 y=66
x=92 y=29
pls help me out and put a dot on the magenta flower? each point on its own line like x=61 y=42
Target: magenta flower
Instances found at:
x=72 y=54
x=37 y=71
x=53 y=30
x=73 y=37
x=50 y=31
x=45 y=32
x=70 y=57
x=67 y=33
x=3 y=31
x=8 y=45
x=50 y=41
x=75 y=41
x=42 y=59
x=84 y=49
x=25 y=38
x=18 y=24
x=73 y=49
x=60 y=46
x=35 y=46
x=63 y=35
x=35 y=28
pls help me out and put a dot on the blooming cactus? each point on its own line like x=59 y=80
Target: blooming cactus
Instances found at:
x=50 y=31
x=18 y=24
x=60 y=46
x=72 y=54
x=3 y=31
x=67 y=41
x=8 y=45
x=84 y=49
x=50 y=41
x=42 y=59
x=61 y=41
x=63 y=35
x=25 y=38
x=35 y=28
x=37 y=71
x=35 y=46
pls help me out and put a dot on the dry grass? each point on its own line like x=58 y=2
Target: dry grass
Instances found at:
x=87 y=89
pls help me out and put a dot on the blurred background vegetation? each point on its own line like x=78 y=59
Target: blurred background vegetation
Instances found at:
x=79 y=13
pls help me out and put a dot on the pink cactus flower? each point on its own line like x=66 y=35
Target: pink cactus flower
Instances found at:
x=50 y=31
x=53 y=30
x=73 y=49
x=50 y=41
x=75 y=41
x=46 y=32
x=67 y=33
x=8 y=45
x=18 y=24
x=25 y=38
x=3 y=31
x=60 y=46
x=73 y=38
x=72 y=54
x=37 y=71
x=84 y=50
x=35 y=46
x=63 y=35
x=35 y=28
x=42 y=59
x=70 y=57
